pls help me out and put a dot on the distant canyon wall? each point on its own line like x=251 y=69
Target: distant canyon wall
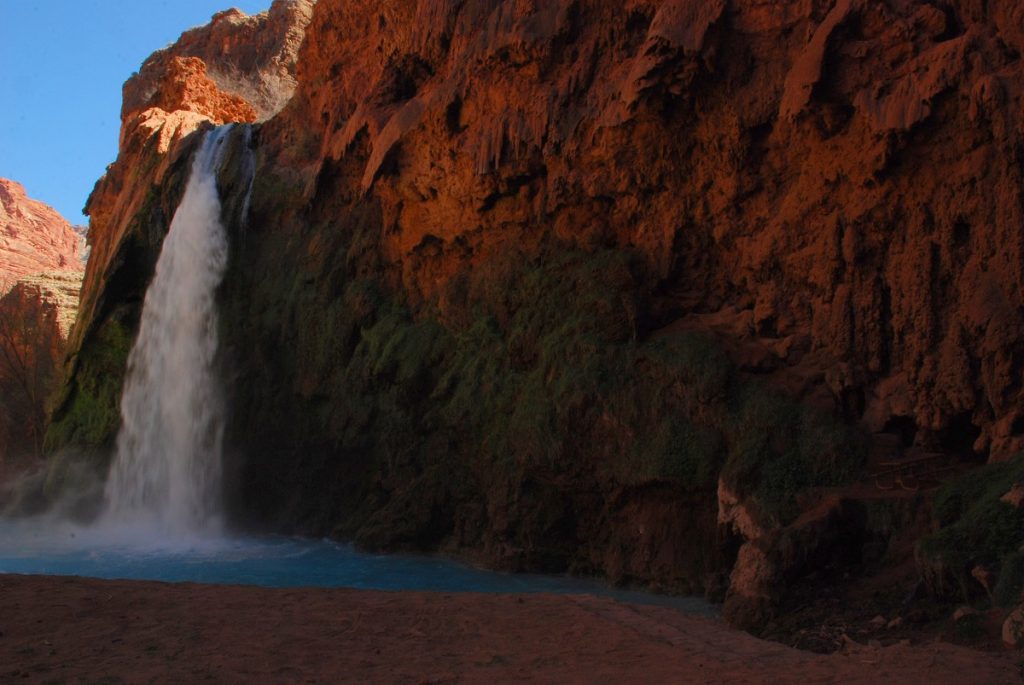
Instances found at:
x=41 y=266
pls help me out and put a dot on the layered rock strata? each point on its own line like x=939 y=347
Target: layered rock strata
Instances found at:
x=41 y=269
x=34 y=238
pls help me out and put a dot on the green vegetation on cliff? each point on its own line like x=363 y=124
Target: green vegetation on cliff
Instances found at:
x=515 y=414
x=89 y=417
x=86 y=410
x=977 y=528
x=532 y=411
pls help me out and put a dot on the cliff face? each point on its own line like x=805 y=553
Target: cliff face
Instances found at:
x=35 y=317
x=251 y=58
x=40 y=276
x=174 y=95
x=833 y=185
x=33 y=237
x=565 y=285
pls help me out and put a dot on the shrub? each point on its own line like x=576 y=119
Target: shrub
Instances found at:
x=89 y=416
x=1010 y=584
x=978 y=528
x=780 y=448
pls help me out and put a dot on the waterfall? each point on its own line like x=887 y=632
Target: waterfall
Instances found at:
x=167 y=469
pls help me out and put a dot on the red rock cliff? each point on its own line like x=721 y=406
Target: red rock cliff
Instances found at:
x=40 y=277
x=422 y=309
x=833 y=186
x=176 y=92
x=252 y=58
x=236 y=69
x=33 y=237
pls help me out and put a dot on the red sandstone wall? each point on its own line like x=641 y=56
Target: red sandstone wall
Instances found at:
x=834 y=187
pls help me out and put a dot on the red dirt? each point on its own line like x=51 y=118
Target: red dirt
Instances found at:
x=78 y=630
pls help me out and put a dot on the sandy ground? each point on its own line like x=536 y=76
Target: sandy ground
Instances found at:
x=72 y=630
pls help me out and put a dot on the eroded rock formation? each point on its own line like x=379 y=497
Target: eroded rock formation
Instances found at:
x=537 y=282
x=35 y=318
x=40 y=277
x=33 y=237
x=236 y=69
x=838 y=179
x=251 y=58
x=185 y=87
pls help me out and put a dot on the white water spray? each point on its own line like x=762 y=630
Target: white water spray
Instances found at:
x=167 y=470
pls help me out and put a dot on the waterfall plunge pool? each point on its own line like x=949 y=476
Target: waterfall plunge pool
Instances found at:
x=167 y=465
x=125 y=552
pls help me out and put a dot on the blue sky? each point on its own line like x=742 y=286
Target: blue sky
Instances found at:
x=62 y=64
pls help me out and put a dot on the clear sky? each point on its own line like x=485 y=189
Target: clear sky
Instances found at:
x=62 y=64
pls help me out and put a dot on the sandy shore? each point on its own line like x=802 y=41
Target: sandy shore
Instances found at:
x=72 y=630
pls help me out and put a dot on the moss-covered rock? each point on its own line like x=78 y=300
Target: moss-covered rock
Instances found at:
x=89 y=417
x=780 y=448
x=976 y=528
x=518 y=416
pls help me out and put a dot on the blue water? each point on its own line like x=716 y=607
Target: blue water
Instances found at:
x=58 y=548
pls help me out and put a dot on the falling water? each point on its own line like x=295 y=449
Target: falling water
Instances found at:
x=167 y=470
